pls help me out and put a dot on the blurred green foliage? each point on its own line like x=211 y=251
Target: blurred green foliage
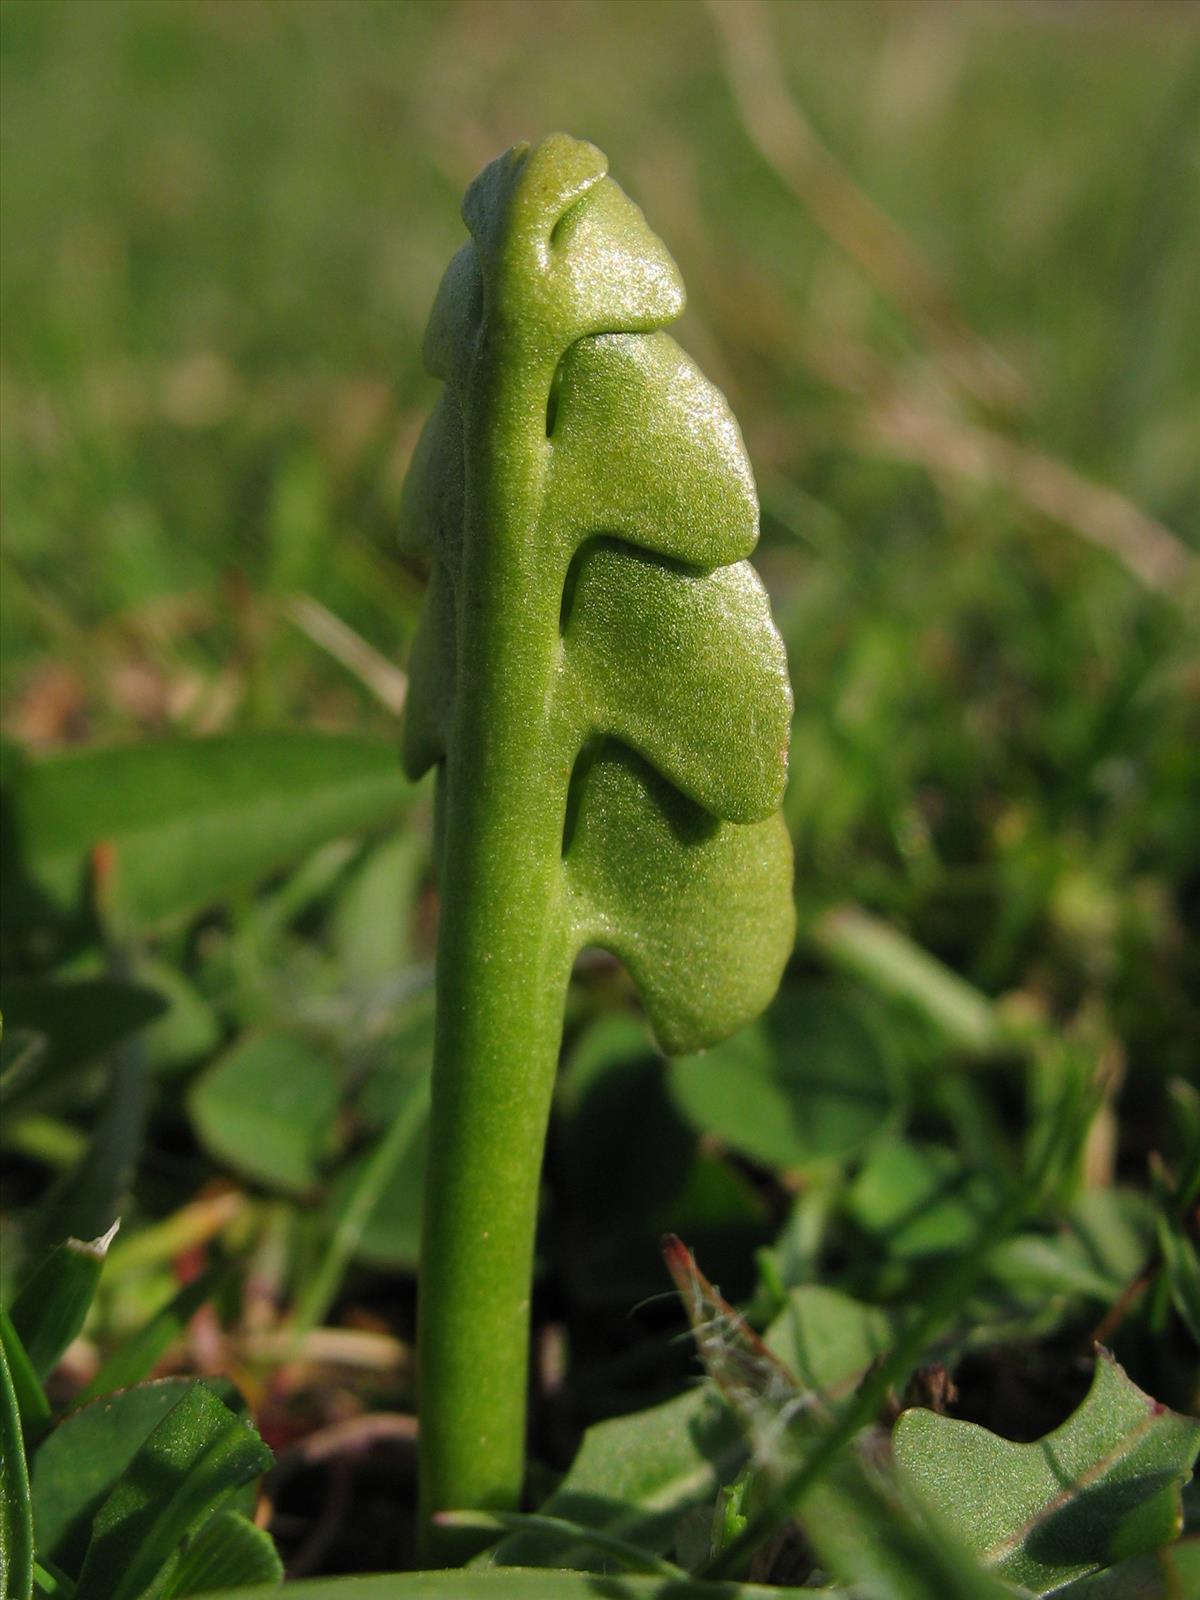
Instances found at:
x=222 y=228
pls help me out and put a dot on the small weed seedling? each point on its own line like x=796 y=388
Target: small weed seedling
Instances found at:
x=599 y=681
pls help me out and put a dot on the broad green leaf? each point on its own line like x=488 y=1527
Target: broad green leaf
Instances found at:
x=267 y=1107
x=814 y=1080
x=687 y=669
x=79 y=1021
x=54 y=1300
x=188 y=1467
x=828 y=1340
x=634 y=1477
x=646 y=449
x=186 y=821
x=77 y=1466
x=700 y=911
x=516 y=1584
x=882 y=1541
x=16 y=1513
x=229 y=1550
x=1172 y=1573
x=1102 y=1487
x=856 y=1516
x=918 y=1200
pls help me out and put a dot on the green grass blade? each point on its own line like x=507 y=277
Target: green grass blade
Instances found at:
x=188 y=1467
x=518 y=1583
x=881 y=956
x=32 y=1405
x=85 y=1201
x=228 y=1550
x=559 y=1528
x=356 y=1213
x=16 y=1507
x=77 y=1467
x=54 y=1300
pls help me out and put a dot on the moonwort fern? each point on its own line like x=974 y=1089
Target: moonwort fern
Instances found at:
x=598 y=680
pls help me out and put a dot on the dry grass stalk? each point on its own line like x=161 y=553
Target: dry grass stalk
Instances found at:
x=783 y=136
x=1045 y=485
x=386 y=682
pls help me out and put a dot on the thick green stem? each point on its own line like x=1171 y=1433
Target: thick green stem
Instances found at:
x=501 y=979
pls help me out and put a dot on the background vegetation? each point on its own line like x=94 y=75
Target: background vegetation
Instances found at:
x=943 y=261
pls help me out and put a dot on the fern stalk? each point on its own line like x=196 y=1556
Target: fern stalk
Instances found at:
x=598 y=681
x=501 y=981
